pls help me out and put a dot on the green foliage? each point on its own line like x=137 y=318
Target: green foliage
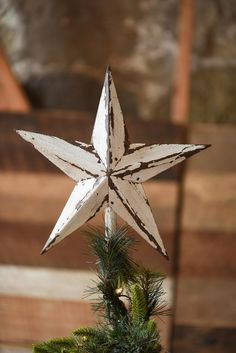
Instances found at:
x=92 y=340
x=124 y=337
x=113 y=259
x=128 y=296
x=151 y=284
x=59 y=345
x=115 y=270
x=85 y=332
x=138 y=303
x=133 y=338
x=151 y=326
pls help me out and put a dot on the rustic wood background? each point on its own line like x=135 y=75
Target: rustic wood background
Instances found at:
x=33 y=193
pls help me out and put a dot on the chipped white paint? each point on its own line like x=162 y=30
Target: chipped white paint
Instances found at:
x=117 y=138
x=108 y=136
x=147 y=161
x=74 y=161
x=99 y=136
x=129 y=201
x=109 y=172
x=85 y=201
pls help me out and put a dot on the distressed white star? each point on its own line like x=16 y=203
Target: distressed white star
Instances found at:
x=109 y=172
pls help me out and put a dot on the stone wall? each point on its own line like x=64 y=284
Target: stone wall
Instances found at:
x=214 y=62
x=59 y=49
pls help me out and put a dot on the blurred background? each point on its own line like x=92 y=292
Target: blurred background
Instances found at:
x=174 y=66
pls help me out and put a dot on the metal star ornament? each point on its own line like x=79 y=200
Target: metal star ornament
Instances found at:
x=109 y=171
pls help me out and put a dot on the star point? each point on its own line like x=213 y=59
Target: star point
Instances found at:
x=109 y=171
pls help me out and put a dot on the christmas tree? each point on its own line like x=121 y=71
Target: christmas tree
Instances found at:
x=129 y=297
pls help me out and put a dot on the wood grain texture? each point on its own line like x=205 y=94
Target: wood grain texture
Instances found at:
x=220 y=158
x=215 y=198
x=28 y=320
x=43 y=295
x=206 y=288
x=210 y=182
x=73 y=253
x=45 y=283
x=79 y=125
x=31 y=320
x=43 y=195
x=206 y=302
x=47 y=193
x=57 y=284
x=191 y=339
x=33 y=224
x=208 y=254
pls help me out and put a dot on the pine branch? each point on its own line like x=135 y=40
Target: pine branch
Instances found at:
x=152 y=285
x=126 y=326
x=85 y=332
x=92 y=340
x=138 y=303
x=133 y=338
x=59 y=345
x=113 y=260
x=115 y=270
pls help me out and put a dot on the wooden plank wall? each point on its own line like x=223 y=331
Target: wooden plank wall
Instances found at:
x=33 y=193
x=206 y=311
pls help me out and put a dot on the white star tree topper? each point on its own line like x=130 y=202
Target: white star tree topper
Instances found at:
x=109 y=171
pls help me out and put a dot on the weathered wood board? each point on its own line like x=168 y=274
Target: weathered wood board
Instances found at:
x=206 y=248
x=48 y=193
x=206 y=316
x=79 y=125
x=210 y=195
x=28 y=320
x=200 y=302
x=215 y=251
x=220 y=158
x=192 y=339
x=43 y=194
x=48 y=303
x=42 y=204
